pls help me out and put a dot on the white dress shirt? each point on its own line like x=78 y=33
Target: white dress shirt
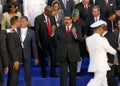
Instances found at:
x=23 y=35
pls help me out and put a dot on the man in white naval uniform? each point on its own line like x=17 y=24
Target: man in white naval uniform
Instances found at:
x=98 y=47
x=33 y=8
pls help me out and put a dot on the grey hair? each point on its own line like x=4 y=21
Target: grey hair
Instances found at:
x=75 y=12
x=96 y=7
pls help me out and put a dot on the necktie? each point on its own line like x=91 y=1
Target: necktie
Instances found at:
x=64 y=2
x=86 y=9
x=95 y=18
x=48 y=26
x=106 y=2
x=67 y=31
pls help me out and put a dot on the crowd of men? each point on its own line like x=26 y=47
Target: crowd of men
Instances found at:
x=61 y=30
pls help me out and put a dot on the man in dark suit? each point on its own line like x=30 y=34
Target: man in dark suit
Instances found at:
x=113 y=42
x=118 y=2
x=43 y=25
x=94 y=2
x=49 y=2
x=85 y=9
x=67 y=6
x=68 y=37
x=107 y=5
x=117 y=34
x=14 y=52
x=29 y=47
x=3 y=57
x=96 y=15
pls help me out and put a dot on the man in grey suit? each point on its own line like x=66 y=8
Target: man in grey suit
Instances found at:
x=68 y=37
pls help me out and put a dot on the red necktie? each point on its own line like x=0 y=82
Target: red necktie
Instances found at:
x=67 y=31
x=48 y=26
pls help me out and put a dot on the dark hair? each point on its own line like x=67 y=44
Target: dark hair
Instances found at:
x=13 y=19
x=10 y=5
x=56 y=2
x=24 y=17
x=68 y=15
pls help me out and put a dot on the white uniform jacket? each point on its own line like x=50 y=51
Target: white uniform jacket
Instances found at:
x=98 y=47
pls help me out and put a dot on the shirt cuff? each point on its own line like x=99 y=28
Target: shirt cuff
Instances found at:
x=8 y=30
x=75 y=37
x=52 y=34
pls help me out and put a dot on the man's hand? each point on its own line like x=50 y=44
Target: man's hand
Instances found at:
x=6 y=70
x=74 y=31
x=53 y=29
x=40 y=46
x=118 y=48
x=110 y=64
x=36 y=61
x=16 y=65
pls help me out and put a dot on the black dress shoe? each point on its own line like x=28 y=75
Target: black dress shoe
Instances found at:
x=79 y=74
x=53 y=75
x=44 y=76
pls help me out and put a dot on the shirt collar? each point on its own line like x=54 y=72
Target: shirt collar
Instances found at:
x=69 y=26
x=24 y=29
x=104 y=33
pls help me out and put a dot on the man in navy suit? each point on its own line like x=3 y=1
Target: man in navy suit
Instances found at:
x=29 y=46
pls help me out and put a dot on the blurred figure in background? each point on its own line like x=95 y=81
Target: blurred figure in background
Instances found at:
x=19 y=6
x=85 y=9
x=1 y=10
x=107 y=5
x=12 y=11
x=67 y=6
x=32 y=8
x=57 y=12
x=82 y=46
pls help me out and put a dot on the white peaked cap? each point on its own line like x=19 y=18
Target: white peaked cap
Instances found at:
x=98 y=23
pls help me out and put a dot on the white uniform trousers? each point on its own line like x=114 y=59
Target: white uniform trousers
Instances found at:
x=99 y=79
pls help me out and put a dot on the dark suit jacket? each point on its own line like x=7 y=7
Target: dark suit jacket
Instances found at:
x=68 y=46
x=90 y=20
x=29 y=45
x=41 y=29
x=117 y=36
x=118 y=2
x=69 y=6
x=111 y=6
x=82 y=11
x=3 y=51
x=113 y=42
x=14 y=47
x=96 y=2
